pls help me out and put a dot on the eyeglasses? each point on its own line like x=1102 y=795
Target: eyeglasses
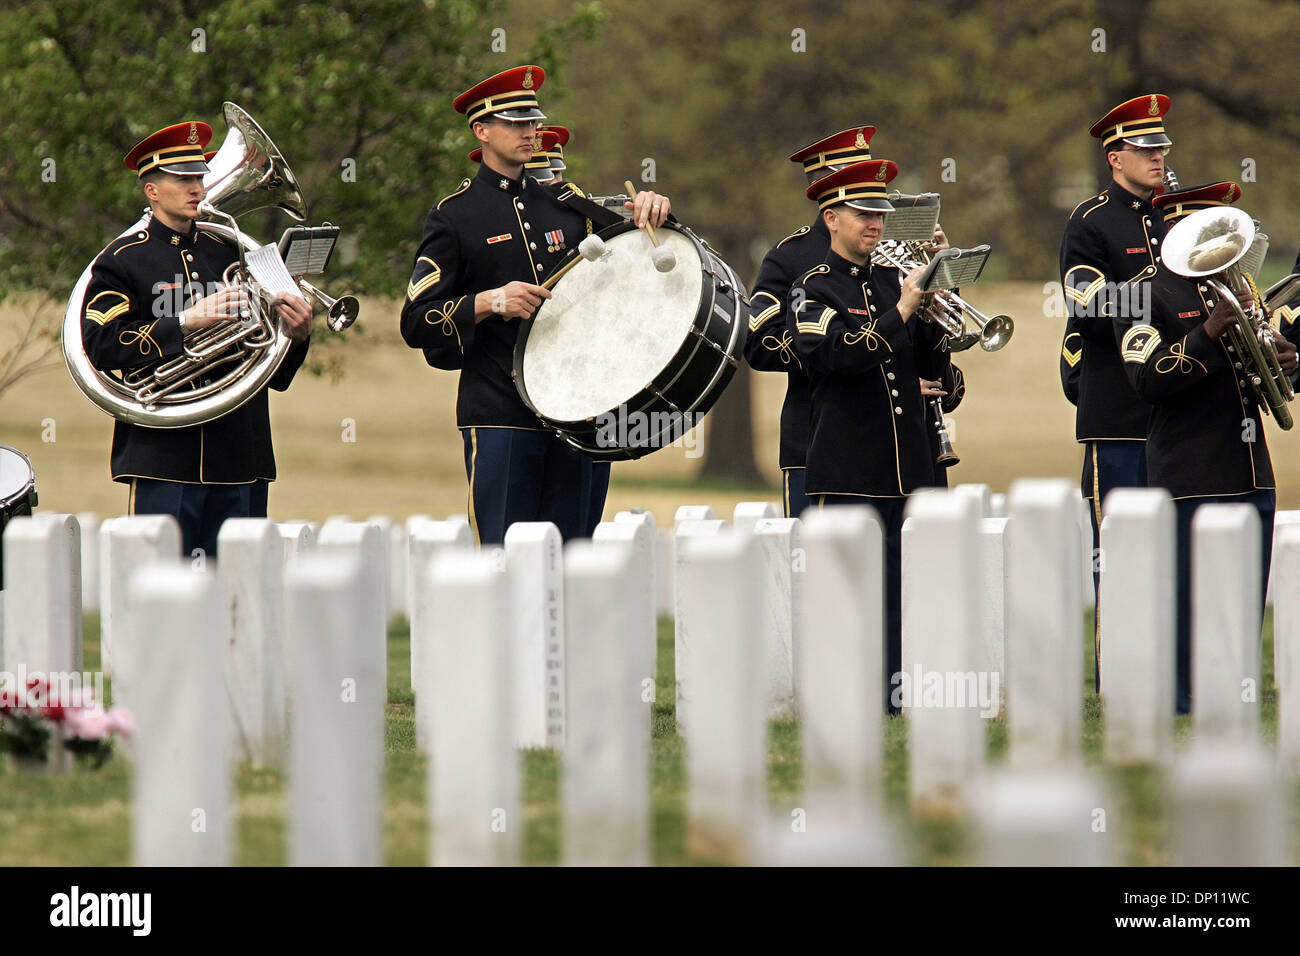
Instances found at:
x=1147 y=152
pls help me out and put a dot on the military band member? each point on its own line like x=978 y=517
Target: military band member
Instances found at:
x=1109 y=252
x=1205 y=439
x=146 y=290
x=486 y=251
x=769 y=345
x=852 y=328
x=555 y=152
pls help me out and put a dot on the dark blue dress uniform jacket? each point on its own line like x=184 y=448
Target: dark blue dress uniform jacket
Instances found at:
x=1111 y=247
x=138 y=287
x=869 y=423
x=1205 y=435
x=770 y=346
x=491 y=231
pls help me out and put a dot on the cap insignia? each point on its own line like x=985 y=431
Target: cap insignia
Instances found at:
x=861 y=141
x=880 y=174
x=194 y=134
x=1154 y=108
x=528 y=79
x=1228 y=194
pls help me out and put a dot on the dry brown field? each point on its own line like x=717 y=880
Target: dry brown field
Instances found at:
x=407 y=456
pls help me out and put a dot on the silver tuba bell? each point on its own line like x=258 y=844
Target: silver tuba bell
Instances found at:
x=1223 y=248
x=226 y=364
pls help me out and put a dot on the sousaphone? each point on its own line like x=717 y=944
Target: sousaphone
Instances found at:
x=226 y=364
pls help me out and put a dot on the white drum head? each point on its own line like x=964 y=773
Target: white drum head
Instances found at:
x=611 y=326
x=15 y=474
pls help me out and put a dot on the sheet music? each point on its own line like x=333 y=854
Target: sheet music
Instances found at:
x=1253 y=260
x=268 y=270
x=307 y=249
x=913 y=218
x=954 y=268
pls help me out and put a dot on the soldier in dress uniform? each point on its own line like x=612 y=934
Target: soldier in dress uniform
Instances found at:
x=486 y=250
x=769 y=345
x=555 y=152
x=1109 y=254
x=851 y=326
x=146 y=290
x=1205 y=439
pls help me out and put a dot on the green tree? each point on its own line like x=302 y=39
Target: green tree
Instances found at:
x=356 y=93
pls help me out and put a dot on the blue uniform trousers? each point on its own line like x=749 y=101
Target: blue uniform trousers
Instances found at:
x=599 y=489
x=200 y=509
x=520 y=475
x=793 y=497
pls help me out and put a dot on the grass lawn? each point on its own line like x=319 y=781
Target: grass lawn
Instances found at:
x=83 y=817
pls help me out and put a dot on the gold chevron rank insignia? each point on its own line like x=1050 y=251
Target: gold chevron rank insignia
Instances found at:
x=1071 y=357
x=758 y=318
x=1076 y=290
x=418 y=287
x=112 y=304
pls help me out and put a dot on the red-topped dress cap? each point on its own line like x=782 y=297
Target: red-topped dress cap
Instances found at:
x=1138 y=122
x=561 y=131
x=510 y=95
x=861 y=185
x=543 y=150
x=1177 y=204
x=177 y=149
x=840 y=149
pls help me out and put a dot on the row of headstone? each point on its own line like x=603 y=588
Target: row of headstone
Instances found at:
x=1044 y=607
x=721 y=568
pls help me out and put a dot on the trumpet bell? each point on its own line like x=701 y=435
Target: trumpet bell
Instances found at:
x=996 y=333
x=249 y=172
x=343 y=312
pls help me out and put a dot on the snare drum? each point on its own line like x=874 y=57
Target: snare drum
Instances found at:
x=17 y=491
x=623 y=359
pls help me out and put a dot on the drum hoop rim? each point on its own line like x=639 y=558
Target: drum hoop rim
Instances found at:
x=25 y=489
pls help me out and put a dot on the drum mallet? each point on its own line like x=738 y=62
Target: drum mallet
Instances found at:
x=662 y=257
x=592 y=248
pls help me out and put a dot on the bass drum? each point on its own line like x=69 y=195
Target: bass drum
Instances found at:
x=17 y=492
x=623 y=359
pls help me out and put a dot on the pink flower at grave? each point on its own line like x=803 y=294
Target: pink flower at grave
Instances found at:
x=90 y=723
x=121 y=722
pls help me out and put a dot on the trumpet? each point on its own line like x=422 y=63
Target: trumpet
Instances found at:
x=1219 y=246
x=947 y=309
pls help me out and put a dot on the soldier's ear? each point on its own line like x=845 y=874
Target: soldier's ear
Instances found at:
x=831 y=219
x=479 y=129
